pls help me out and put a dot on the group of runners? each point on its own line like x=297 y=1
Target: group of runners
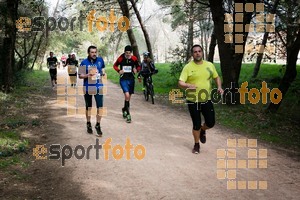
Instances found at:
x=195 y=76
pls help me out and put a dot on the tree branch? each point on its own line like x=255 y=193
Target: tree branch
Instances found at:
x=202 y=3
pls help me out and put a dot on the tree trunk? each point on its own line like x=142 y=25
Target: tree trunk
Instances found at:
x=37 y=50
x=226 y=52
x=206 y=39
x=118 y=43
x=145 y=32
x=291 y=72
x=125 y=12
x=190 y=32
x=238 y=57
x=212 y=46
x=202 y=38
x=230 y=61
x=9 y=44
x=264 y=41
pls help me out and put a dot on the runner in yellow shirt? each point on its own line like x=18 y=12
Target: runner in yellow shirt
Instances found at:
x=196 y=78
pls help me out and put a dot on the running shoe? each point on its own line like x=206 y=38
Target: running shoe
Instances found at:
x=128 y=120
x=196 y=149
x=98 y=129
x=124 y=113
x=89 y=128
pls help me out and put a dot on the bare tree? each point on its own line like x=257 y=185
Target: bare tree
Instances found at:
x=212 y=46
x=145 y=32
x=190 y=30
x=264 y=41
x=131 y=37
x=231 y=62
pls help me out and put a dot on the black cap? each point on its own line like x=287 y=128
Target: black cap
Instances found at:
x=128 y=48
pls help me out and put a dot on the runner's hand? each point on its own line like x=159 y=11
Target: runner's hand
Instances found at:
x=220 y=90
x=191 y=86
x=121 y=72
x=134 y=70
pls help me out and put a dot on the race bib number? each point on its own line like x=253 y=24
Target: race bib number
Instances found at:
x=52 y=67
x=96 y=74
x=71 y=69
x=96 y=77
x=127 y=69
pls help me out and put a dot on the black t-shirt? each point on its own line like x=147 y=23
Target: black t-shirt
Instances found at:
x=71 y=61
x=52 y=62
x=147 y=67
x=127 y=65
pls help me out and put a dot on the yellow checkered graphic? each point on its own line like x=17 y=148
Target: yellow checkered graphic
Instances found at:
x=176 y=96
x=234 y=27
x=68 y=96
x=23 y=24
x=227 y=163
x=40 y=152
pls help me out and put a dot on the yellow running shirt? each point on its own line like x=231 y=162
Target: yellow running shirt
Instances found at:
x=200 y=76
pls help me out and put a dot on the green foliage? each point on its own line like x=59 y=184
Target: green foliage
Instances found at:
x=8 y=161
x=28 y=89
x=10 y=143
x=279 y=128
x=162 y=80
x=176 y=68
x=14 y=122
x=30 y=45
x=164 y=2
x=178 y=54
x=178 y=11
x=179 y=17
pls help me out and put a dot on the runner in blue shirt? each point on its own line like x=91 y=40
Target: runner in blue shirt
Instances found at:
x=92 y=71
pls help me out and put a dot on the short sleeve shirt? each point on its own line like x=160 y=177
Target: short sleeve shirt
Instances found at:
x=201 y=76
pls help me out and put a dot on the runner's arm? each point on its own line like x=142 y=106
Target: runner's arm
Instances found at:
x=103 y=69
x=184 y=85
x=65 y=63
x=152 y=66
x=138 y=66
x=56 y=62
x=219 y=84
x=117 y=63
x=48 y=64
x=82 y=71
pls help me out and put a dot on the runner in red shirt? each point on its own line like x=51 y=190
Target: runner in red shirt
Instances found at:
x=127 y=66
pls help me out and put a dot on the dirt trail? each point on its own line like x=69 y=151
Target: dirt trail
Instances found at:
x=168 y=171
